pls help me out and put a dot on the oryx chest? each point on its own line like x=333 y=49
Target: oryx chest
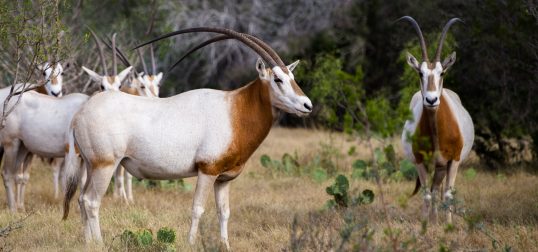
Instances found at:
x=449 y=136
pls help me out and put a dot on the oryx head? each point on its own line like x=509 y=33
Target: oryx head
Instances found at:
x=431 y=73
x=53 y=76
x=148 y=84
x=108 y=82
x=284 y=91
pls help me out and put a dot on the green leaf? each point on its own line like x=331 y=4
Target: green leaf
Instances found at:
x=265 y=161
x=408 y=169
x=144 y=237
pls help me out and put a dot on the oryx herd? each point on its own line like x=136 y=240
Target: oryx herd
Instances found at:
x=126 y=129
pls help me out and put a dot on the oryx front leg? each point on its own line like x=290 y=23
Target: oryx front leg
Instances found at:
x=9 y=172
x=450 y=183
x=129 y=187
x=97 y=182
x=24 y=158
x=222 y=199
x=427 y=197
x=203 y=185
x=438 y=176
x=57 y=164
x=119 y=188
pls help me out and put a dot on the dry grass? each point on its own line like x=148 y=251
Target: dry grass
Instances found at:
x=263 y=209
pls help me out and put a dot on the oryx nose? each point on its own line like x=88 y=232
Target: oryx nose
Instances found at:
x=431 y=101
x=308 y=106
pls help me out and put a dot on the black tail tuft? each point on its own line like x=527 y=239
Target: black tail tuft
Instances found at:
x=70 y=191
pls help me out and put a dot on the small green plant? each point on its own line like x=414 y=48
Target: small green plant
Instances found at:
x=179 y=184
x=166 y=235
x=143 y=240
x=469 y=174
x=339 y=190
x=341 y=196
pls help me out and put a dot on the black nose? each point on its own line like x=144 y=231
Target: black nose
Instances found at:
x=55 y=94
x=432 y=101
x=308 y=107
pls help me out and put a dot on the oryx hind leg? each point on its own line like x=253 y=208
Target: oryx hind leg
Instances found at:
x=96 y=185
x=203 y=185
x=450 y=187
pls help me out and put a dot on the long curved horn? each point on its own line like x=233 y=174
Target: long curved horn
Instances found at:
x=419 y=33
x=153 y=66
x=139 y=52
x=114 y=63
x=207 y=42
x=119 y=53
x=101 y=53
x=236 y=35
x=443 y=37
x=269 y=50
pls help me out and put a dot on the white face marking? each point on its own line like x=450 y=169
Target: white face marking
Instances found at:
x=108 y=82
x=431 y=92
x=53 y=79
x=284 y=97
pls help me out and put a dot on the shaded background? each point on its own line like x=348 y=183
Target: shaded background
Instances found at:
x=353 y=43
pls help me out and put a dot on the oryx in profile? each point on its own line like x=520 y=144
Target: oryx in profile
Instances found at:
x=205 y=133
x=51 y=84
x=442 y=131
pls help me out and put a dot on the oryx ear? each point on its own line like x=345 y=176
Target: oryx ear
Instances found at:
x=43 y=67
x=292 y=65
x=93 y=75
x=260 y=67
x=158 y=78
x=412 y=61
x=449 y=61
x=124 y=73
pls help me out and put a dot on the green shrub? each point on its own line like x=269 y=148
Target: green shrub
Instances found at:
x=166 y=235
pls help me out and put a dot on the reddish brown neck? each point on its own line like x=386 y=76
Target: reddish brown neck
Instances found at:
x=252 y=117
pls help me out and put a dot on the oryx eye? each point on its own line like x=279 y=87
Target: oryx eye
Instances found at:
x=143 y=87
x=442 y=73
x=421 y=74
x=277 y=80
x=102 y=87
x=44 y=74
x=62 y=73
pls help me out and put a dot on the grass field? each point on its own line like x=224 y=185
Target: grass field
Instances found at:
x=263 y=209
